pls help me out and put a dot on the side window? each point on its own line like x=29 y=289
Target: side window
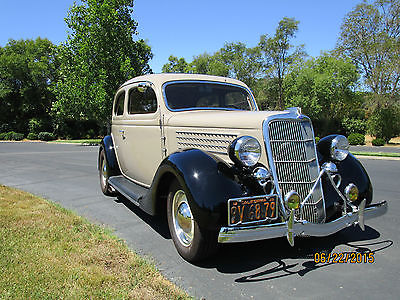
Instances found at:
x=142 y=102
x=119 y=104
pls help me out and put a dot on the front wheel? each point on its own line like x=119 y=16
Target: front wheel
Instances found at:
x=192 y=242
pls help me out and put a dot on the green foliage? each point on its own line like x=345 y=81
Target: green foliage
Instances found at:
x=378 y=142
x=32 y=136
x=17 y=136
x=98 y=56
x=36 y=125
x=27 y=68
x=317 y=139
x=78 y=129
x=46 y=136
x=242 y=63
x=370 y=37
x=384 y=122
x=354 y=125
x=356 y=139
x=324 y=89
x=234 y=60
x=5 y=128
x=280 y=55
x=11 y=136
x=210 y=64
x=176 y=65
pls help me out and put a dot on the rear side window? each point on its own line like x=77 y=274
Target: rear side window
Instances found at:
x=142 y=102
x=119 y=105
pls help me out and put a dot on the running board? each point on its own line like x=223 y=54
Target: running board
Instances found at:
x=132 y=191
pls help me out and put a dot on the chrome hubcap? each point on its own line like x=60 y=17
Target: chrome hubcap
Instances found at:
x=104 y=172
x=182 y=218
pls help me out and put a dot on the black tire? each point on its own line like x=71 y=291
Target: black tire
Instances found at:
x=104 y=174
x=192 y=242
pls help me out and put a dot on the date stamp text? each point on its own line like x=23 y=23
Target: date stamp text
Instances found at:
x=344 y=258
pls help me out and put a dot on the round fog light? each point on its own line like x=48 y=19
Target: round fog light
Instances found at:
x=351 y=192
x=292 y=200
x=261 y=175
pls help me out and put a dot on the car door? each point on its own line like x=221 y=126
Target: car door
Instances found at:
x=137 y=135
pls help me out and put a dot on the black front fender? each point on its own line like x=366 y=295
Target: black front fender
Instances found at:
x=208 y=181
x=351 y=171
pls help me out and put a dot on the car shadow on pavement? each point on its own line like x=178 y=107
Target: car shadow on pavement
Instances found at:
x=157 y=223
x=277 y=258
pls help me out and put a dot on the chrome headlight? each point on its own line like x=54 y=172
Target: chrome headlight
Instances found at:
x=339 y=148
x=245 y=150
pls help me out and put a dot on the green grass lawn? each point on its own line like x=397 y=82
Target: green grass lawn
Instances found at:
x=47 y=252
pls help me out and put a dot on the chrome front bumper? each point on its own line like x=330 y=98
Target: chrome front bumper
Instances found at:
x=253 y=233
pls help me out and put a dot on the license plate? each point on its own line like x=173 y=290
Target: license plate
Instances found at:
x=252 y=209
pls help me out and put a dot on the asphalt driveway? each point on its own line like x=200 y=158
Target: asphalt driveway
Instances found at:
x=67 y=174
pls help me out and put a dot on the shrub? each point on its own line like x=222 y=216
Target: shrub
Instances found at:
x=11 y=136
x=32 y=136
x=35 y=125
x=17 y=136
x=317 y=138
x=378 y=142
x=384 y=122
x=46 y=136
x=356 y=139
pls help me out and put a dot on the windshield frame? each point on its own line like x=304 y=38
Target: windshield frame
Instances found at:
x=252 y=103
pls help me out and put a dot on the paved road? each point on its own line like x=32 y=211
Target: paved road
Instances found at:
x=67 y=174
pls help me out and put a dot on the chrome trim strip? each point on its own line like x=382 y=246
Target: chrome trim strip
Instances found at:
x=253 y=104
x=268 y=231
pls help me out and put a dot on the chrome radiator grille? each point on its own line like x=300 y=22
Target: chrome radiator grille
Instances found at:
x=293 y=154
x=211 y=142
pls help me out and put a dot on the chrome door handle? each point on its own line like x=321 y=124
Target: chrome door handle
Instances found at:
x=122 y=132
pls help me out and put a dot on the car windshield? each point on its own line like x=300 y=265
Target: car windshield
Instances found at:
x=198 y=95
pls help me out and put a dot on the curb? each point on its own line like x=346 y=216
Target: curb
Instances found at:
x=377 y=157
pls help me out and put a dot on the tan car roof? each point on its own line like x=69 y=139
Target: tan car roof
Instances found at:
x=160 y=79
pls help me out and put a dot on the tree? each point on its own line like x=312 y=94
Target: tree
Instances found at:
x=325 y=89
x=234 y=60
x=176 y=65
x=98 y=56
x=370 y=37
x=244 y=64
x=27 y=68
x=279 y=54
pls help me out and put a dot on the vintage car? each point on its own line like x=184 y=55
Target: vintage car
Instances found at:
x=197 y=149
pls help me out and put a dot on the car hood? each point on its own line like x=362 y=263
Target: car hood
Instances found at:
x=220 y=119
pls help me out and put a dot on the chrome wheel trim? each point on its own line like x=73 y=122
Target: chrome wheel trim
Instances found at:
x=182 y=218
x=103 y=173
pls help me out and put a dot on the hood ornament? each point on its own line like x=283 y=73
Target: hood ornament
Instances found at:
x=297 y=111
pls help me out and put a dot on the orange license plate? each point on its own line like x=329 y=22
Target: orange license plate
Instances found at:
x=252 y=209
